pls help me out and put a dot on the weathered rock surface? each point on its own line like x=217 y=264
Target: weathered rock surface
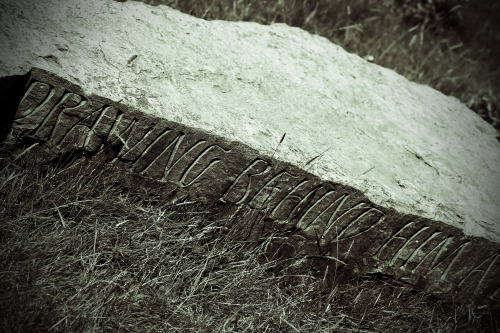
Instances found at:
x=381 y=173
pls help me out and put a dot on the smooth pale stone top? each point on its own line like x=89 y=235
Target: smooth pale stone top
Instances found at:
x=405 y=145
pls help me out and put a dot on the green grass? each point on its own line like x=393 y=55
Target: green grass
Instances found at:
x=451 y=45
x=89 y=248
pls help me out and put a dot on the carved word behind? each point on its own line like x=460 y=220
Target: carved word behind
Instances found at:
x=336 y=220
x=315 y=207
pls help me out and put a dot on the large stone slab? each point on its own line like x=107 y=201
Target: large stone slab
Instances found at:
x=281 y=128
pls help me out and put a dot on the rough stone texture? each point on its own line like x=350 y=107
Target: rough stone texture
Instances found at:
x=424 y=170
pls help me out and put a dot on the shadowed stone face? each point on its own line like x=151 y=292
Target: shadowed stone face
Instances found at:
x=376 y=171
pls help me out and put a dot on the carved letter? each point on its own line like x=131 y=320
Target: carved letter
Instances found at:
x=69 y=100
x=483 y=272
x=396 y=238
x=142 y=139
x=36 y=104
x=101 y=129
x=267 y=193
x=196 y=169
x=241 y=187
x=316 y=209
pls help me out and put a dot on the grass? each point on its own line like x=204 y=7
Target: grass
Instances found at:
x=89 y=248
x=450 y=45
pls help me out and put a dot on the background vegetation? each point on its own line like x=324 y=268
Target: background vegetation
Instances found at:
x=87 y=248
x=451 y=45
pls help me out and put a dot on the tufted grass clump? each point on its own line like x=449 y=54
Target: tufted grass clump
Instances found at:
x=88 y=248
x=450 y=45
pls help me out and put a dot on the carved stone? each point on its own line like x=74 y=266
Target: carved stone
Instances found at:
x=317 y=218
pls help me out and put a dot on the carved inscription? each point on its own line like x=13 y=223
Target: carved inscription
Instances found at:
x=38 y=101
x=308 y=205
x=414 y=247
x=339 y=218
x=299 y=197
x=69 y=121
x=332 y=219
x=244 y=184
x=482 y=272
x=343 y=226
